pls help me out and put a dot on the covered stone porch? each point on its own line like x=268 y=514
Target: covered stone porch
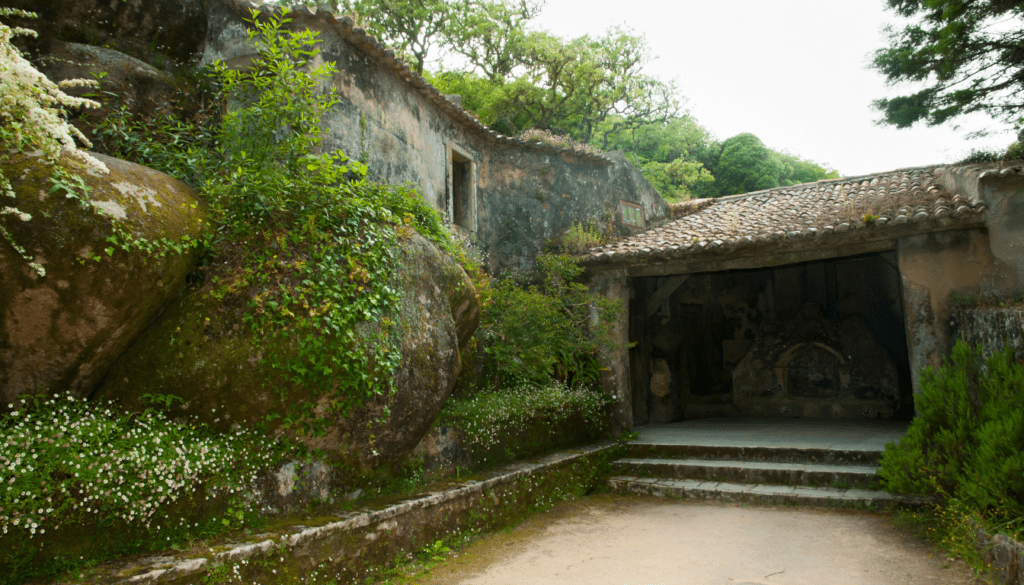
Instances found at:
x=818 y=301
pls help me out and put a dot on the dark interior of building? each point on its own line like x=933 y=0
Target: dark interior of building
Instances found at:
x=821 y=339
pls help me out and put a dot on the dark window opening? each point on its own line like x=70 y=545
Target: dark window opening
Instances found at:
x=462 y=191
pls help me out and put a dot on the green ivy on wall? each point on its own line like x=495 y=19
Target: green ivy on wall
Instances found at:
x=300 y=241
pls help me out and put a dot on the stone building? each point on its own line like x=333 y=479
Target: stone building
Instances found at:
x=817 y=300
x=508 y=195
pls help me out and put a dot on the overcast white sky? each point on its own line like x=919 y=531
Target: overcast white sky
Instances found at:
x=792 y=72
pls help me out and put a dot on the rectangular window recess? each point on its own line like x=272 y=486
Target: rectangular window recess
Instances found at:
x=632 y=214
x=463 y=191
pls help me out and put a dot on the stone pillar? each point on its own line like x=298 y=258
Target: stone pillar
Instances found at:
x=1005 y=222
x=616 y=380
x=932 y=267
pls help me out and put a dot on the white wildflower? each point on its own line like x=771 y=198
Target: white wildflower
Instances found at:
x=32 y=117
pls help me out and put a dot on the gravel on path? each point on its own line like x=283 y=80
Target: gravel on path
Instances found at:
x=627 y=540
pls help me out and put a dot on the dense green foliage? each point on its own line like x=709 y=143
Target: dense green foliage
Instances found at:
x=139 y=480
x=301 y=240
x=964 y=445
x=552 y=328
x=746 y=164
x=523 y=420
x=968 y=53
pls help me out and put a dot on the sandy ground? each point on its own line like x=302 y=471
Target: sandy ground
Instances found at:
x=621 y=540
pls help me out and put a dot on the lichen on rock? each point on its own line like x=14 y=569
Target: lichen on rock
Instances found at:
x=203 y=350
x=61 y=331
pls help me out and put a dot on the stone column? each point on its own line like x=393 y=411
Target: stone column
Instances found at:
x=932 y=267
x=615 y=381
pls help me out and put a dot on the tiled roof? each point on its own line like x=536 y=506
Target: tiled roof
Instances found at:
x=812 y=210
x=370 y=45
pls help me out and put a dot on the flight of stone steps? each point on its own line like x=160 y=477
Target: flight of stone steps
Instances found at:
x=772 y=473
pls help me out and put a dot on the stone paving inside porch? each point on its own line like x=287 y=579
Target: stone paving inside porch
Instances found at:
x=801 y=433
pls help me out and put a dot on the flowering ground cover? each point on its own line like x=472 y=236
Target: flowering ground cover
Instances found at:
x=82 y=481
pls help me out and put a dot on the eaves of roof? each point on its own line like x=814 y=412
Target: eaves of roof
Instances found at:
x=823 y=219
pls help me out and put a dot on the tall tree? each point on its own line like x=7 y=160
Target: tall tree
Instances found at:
x=571 y=87
x=412 y=27
x=970 y=53
x=747 y=165
x=490 y=34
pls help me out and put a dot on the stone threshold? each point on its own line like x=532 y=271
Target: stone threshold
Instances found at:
x=753 y=465
x=750 y=471
x=760 y=493
x=351 y=545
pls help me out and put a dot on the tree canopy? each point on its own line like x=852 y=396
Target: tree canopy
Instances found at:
x=970 y=54
x=593 y=89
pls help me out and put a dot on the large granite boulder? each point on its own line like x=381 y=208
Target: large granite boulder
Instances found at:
x=142 y=88
x=165 y=33
x=62 y=331
x=202 y=351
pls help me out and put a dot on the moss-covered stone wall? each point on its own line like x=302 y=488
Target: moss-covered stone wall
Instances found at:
x=349 y=546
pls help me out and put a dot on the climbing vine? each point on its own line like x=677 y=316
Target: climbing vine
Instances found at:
x=302 y=244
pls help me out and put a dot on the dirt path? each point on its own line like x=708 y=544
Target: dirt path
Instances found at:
x=646 y=541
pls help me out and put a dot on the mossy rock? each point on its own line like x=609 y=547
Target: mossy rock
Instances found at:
x=164 y=33
x=60 y=332
x=143 y=89
x=202 y=350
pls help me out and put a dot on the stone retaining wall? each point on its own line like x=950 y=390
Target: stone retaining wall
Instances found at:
x=348 y=546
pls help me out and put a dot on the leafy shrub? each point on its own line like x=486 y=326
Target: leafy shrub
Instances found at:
x=67 y=463
x=32 y=117
x=1014 y=151
x=580 y=238
x=304 y=243
x=558 y=141
x=977 y=156
x=498 y=423
x=553 y=329
x=966 y=441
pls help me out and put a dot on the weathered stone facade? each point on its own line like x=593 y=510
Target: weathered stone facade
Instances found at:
x=508 y=195
x=992 y=327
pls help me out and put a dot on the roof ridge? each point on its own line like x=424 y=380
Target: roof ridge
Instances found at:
x=369 y=44
x=807 y=185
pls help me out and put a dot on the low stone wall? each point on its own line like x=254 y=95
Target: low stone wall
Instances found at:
x=348 y=546
x=991 y=327
x=1003 y=554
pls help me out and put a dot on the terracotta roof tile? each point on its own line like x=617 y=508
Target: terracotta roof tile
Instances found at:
x=800 y=211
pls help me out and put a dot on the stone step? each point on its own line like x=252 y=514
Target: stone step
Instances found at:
x=756 y=472
x=763 y=494
x=774 y=454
